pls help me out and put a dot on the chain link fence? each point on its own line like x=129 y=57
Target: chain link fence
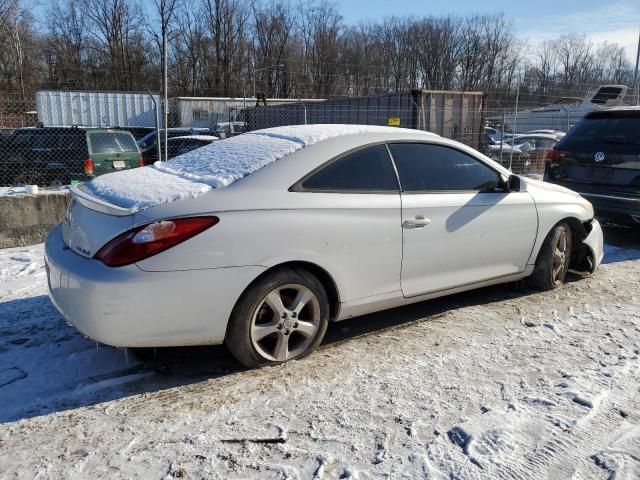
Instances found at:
x=65 y=137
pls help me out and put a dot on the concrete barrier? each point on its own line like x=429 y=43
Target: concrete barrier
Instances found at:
x=26 y=219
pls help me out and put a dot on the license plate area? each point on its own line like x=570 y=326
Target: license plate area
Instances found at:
x=118 y=164
x=601 y=173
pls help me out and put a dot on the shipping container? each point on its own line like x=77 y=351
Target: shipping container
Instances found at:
x=456 y=115
x=209 y=111
x=96 y=109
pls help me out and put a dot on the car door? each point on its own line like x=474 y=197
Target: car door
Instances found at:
x=459 y=225
x=351 y=213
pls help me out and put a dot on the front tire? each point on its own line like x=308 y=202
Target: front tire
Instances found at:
x=281 y=317
x=553 y=259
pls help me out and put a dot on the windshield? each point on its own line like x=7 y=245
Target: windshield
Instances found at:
x=108 y=142
x=613 y=130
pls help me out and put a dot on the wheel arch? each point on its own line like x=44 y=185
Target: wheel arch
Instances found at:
x=579 y=231
x=325 y=278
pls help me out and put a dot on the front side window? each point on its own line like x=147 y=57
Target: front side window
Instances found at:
x=22 y=139
x=369 y=169
x=425 y=167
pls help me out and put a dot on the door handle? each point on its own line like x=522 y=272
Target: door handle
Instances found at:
x=417 y=222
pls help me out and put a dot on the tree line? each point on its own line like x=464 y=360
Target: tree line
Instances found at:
x=291 y=49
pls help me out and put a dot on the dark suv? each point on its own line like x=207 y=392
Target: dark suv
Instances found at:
x=59 y=155
x=148 y=143
x=600 y=159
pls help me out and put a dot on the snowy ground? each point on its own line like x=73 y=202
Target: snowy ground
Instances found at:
x=501 y=382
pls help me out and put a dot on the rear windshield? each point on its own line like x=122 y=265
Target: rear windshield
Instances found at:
x=611 y=130
x=149 y=140
x=108 y=142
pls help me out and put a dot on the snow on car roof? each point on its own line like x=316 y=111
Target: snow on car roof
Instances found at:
x=215 y=165
x=204 y=138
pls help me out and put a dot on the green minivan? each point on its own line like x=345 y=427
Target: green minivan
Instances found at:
x=62 y=155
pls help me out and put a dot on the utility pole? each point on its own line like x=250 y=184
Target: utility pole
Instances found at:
x=515 y=126
x=165 y=9
x=636 y=82
x=165 y=84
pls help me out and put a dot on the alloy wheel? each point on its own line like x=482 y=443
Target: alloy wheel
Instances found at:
x=285 y=322
x=560 y=259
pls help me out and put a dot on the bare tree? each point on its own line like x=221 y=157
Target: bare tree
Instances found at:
x=273 y=25
x=573 y=53
x=117 y=29
x=291 y=48
x=12 y=26
x=320 y=29
x=226 y=21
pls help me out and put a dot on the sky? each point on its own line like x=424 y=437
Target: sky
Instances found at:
x=616 y=21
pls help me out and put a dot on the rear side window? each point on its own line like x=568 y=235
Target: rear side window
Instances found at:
x=368 y=169
x=423 y=167
x=44 y=140
x=611 y=130
x=109 y=142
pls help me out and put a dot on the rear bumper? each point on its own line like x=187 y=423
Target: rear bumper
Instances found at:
x=615 y=206
x=127 y=307
x=607 y=203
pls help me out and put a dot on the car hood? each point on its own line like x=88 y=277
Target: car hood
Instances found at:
x=532 y=185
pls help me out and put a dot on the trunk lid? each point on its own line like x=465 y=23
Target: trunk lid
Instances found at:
x=91 y=222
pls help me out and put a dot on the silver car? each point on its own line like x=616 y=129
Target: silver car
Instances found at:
x=260 y=240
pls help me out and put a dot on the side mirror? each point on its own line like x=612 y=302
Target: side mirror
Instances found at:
x=513 y=183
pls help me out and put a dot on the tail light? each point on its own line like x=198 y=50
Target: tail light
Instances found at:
x=554 y=168
x=554 y=154
x=88 y=167
x=148 y=240
x=141 y=161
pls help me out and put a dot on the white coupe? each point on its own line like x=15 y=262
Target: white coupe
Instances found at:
x=258 y=241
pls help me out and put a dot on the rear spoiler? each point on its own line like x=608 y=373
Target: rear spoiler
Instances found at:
x=97 y=204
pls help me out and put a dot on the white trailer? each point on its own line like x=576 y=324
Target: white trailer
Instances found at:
x=211 y=111
x=96 y=109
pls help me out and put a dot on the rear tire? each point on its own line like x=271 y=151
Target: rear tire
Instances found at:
x=553 y=259
x=58 y=182
x=281 y=317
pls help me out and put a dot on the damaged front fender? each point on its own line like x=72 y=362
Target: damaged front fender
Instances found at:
x=592 y=250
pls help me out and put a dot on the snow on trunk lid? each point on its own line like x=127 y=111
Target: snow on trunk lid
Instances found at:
x=214 y=166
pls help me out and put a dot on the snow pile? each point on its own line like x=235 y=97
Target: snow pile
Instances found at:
x=216 y=165
x=20 y=269
x=21 y=191
x=203 y=138
x=43 y=360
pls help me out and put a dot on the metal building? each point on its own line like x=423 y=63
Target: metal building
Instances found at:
x=209 y=111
